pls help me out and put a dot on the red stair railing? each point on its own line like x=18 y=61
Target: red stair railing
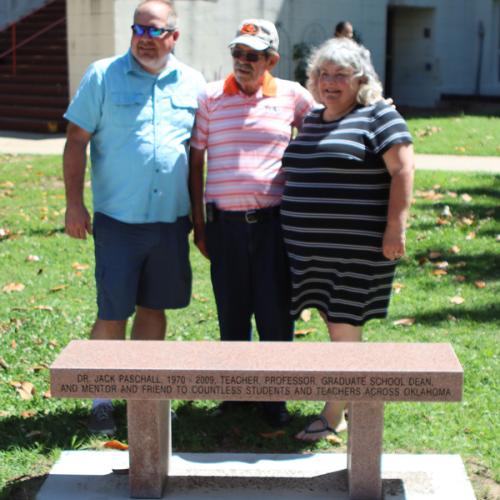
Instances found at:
x=14 y=45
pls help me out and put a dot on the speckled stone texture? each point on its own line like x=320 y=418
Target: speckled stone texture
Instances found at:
x=151 y=373
x=257 y=371
x=364 y=450
x=149 y=440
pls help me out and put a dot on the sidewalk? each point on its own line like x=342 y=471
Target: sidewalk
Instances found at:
x=25 y=143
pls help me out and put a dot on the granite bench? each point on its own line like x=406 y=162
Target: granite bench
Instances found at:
x=148 y=374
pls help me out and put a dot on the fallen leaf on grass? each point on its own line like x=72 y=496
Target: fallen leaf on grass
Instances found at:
x=467 y=221
x=273 y=434
x=455 y=249
x=32 y=258
x=305 y=331
x=439 y=272
x=442 y=264
x=114 y=444
x=4 y=364
x=199 y=298
x=442 y=222
x=4 y=233
x=79 y=267
x=58 y=288
x=25 y=389
x=305 y=315
x=460 y=278
x=47 y=394
x=397 y=287
x=446 y=212
x=457 y=300
x=470 y=236
x=460 y=149
x=7 y=184
x=461 y=263
x=480 y=284
x=334 y=439
x=34 y=434
x=466 y=197
x=428 y=195
x=28 y=413
x=38 y=368
x=43 y=308
x=13 y=344
x=13 y=287
x=404 y=322
x=434 y=254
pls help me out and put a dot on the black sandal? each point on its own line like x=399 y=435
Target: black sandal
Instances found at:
x=325 y=428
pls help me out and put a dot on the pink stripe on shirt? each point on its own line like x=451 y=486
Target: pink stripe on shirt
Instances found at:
x=245 y=137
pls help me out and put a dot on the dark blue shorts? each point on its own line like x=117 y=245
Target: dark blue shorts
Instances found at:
x=140 y=264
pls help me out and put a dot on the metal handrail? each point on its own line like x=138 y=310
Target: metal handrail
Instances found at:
x=15 y=45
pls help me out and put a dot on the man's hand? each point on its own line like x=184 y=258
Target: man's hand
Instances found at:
x=200 y=240
x=77 y=222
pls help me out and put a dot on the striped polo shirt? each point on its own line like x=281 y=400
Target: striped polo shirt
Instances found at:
x=245 y=137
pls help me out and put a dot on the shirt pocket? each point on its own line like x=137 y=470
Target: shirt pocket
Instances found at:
x=183 y=111
x=130 y=109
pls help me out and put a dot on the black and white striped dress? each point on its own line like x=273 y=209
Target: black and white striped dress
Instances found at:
x=334 y=213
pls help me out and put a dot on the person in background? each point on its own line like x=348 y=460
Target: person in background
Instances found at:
x=137 y=111
x=348 y=188
x=343 y=29
x=244 y=123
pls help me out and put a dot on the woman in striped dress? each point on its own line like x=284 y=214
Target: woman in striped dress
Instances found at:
x=349 y=177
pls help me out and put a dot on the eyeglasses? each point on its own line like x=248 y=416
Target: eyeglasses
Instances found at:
x=248 y=56
x=152 y=31
x=339 y=77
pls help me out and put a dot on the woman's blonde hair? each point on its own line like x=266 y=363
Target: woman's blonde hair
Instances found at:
x=346 y=53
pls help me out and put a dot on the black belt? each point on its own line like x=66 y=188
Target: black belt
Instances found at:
x=248 y=216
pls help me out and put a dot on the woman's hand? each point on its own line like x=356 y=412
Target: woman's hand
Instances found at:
x=394 y=243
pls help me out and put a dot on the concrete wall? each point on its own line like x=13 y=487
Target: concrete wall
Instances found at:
x=96 y=29
x=12 y=10
x=101 y=28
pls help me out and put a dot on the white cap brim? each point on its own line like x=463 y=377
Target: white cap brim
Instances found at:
x=250 y=40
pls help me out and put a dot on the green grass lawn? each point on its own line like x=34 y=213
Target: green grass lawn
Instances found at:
x=447 y=287
x=456 y=135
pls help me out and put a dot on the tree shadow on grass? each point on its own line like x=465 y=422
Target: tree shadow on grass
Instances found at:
x=487 y=313
x=194 y=430
x=61 y=429
x=484 y=266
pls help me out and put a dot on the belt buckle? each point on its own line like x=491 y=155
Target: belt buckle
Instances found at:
x=251 y=217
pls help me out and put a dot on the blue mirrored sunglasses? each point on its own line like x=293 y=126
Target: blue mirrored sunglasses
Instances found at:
x=152 y=31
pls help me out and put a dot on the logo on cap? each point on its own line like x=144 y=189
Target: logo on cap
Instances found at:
x=249 y=29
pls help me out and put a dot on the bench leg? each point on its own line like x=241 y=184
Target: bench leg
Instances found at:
x=149 y=439
x=364 y=450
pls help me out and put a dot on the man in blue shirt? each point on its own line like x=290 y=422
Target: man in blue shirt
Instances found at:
x=137 y=111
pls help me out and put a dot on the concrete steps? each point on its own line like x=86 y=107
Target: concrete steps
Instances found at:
x=36 y=96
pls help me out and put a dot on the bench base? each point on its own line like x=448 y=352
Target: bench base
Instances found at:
x=84 y=474
x=149 y=438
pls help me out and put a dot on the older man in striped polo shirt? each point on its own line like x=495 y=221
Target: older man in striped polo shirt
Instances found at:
x=245 y=123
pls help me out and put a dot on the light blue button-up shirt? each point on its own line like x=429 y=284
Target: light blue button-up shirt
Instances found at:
x=140 y=125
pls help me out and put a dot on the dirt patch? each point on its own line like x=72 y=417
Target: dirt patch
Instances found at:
x=485 y=487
